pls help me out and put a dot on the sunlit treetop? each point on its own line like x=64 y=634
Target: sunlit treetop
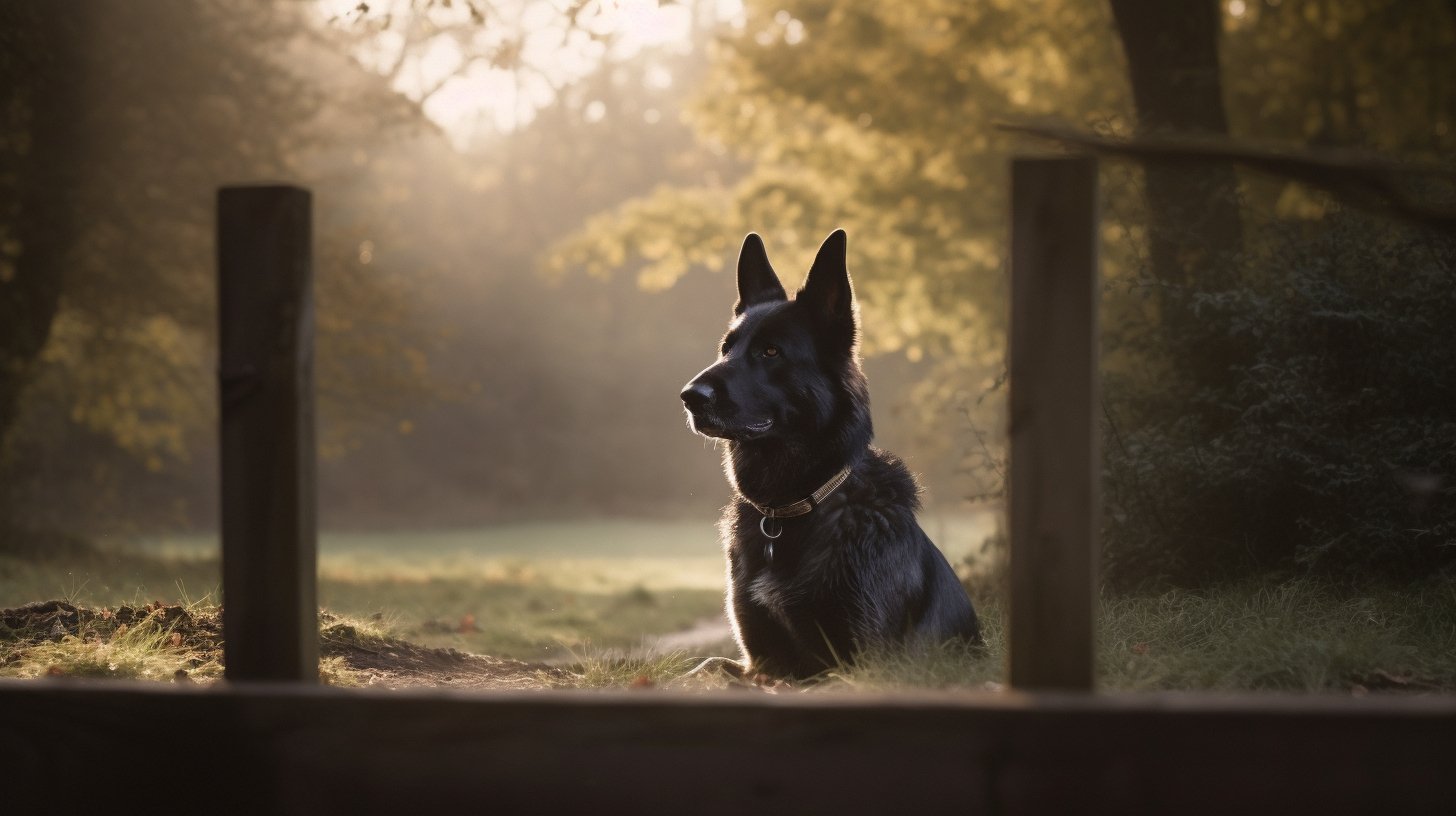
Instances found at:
x=490 y=66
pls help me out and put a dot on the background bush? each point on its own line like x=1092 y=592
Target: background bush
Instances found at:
x=1325 y=443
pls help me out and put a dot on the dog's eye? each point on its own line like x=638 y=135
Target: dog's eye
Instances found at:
x=770 y=351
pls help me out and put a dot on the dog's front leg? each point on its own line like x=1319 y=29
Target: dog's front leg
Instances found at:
x=768 y=646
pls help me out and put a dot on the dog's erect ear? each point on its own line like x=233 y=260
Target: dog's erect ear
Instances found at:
x=757 y=282
x=827 y=291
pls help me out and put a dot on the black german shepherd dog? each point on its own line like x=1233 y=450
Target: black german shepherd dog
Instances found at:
x=824 y=554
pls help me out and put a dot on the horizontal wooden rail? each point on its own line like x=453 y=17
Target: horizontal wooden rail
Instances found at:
x=286 y=748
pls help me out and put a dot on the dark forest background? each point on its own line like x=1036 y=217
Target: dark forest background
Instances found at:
x=505 y=320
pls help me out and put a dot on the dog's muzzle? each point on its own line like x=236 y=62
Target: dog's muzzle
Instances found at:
x=700 y=398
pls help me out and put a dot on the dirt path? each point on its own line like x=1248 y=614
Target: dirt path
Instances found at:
x=399 y=664
x=706 y=633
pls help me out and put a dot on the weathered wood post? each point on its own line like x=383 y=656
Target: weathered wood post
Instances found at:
x=265 y=374
x=1054 y=463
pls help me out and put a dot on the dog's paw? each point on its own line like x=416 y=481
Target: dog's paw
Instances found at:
x=769 y=683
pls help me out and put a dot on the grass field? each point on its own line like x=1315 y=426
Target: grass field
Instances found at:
x=1296 y=635
x=533 y=591
x=621 y=602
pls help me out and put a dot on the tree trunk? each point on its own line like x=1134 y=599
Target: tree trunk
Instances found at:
x=48 y=73
x=1193 y=211
x=1172 y=59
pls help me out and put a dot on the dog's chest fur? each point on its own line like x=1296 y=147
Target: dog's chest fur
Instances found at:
x=805 y=566
x=809 y=586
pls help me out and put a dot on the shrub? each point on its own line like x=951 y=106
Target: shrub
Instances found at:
x=1327 y=444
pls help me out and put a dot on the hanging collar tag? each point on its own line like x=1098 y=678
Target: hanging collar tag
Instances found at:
x=771 y=525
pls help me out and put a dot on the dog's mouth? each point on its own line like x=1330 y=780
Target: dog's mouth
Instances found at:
x=711 y=426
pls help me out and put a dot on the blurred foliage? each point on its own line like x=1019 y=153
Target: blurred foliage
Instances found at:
x=170 y=101
x=877 y=118
x=1331 y=449
x=455 y=387
x=1367 y=73
x=880 y=118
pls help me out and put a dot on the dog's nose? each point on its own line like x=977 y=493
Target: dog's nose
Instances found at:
x=697 y=395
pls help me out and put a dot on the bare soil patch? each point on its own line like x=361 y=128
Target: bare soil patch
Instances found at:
x=354 y=654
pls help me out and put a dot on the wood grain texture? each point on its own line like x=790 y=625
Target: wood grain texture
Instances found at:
x=1054 y=467
x=284 y=748
x=265 y=372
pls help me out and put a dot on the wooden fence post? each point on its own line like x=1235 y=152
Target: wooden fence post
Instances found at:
x=265 y=374
x=1054 y=462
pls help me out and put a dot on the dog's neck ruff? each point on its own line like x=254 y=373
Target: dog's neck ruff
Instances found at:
x=802 y=507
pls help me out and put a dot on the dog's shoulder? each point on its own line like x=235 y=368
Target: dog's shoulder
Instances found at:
x=884 y=486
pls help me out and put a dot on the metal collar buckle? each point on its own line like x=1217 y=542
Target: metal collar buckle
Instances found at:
x=771 y=524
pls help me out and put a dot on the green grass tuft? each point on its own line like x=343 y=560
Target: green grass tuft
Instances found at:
x=636 y=671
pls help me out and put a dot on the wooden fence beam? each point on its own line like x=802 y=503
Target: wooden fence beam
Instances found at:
x=1054 y=466
x=265 y=373
x=284 y=748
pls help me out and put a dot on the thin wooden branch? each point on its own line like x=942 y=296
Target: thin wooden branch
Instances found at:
x=1354 y=178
